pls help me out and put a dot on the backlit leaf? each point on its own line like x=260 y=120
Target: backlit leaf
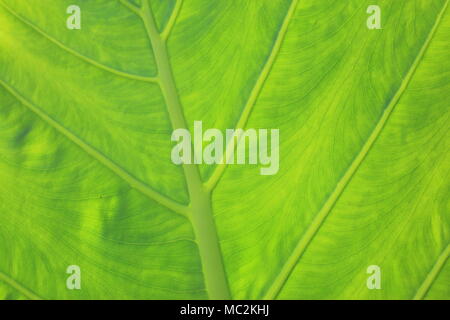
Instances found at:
x=86 y=176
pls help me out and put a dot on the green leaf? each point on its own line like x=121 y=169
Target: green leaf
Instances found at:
x=86 y=118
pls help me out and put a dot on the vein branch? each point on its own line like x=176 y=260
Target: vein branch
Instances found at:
x=20 y=288
x=243 y=119
x=173 y=18
x=134 y=8
x=433 y=274
x=132 y=181
x=76 y=53
x=318 y=221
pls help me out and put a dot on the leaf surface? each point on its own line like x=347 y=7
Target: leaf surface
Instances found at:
x=86 y=176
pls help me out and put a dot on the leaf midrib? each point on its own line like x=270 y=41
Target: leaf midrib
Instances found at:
x=200 y=207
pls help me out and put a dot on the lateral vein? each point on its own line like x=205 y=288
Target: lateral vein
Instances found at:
x=243 y=119
x=132 y=181
x=433 y=274
x=130 y=6
x=76 y=53
x=17 y=286
x=318 y=221
x=173 y=18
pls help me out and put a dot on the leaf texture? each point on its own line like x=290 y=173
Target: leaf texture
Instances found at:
x=86 y=119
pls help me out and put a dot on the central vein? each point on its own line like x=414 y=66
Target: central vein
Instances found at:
x=200 y=209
